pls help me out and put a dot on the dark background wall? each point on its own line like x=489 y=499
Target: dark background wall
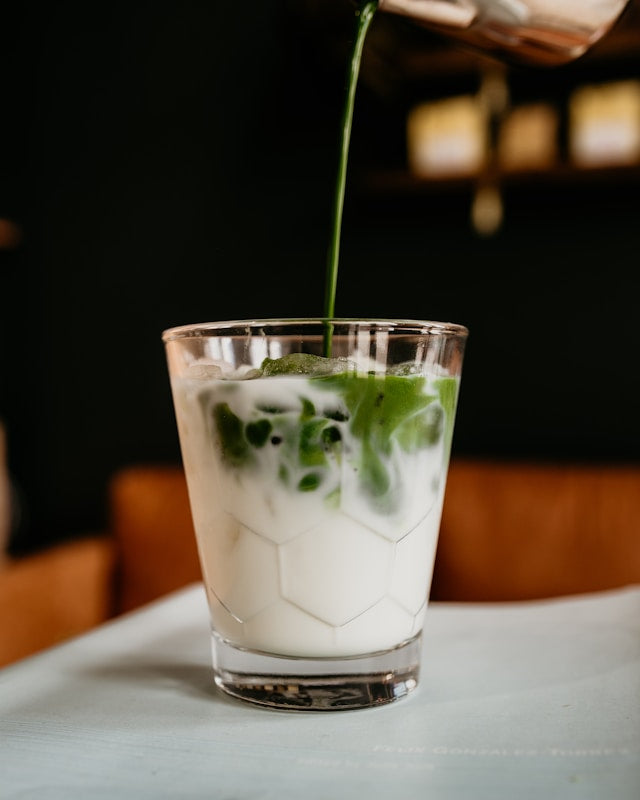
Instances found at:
x=174 y=162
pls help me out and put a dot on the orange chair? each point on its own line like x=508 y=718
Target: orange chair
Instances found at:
x=523 y=530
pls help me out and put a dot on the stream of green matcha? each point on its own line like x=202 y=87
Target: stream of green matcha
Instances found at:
x=365 y=14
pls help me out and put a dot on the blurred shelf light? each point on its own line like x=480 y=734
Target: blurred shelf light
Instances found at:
x=604 y=124
x=487 y=210
x=447 y=138
x=528 y=137
x=493 y=93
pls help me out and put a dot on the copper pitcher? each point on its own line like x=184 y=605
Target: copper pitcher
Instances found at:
x=545 y=32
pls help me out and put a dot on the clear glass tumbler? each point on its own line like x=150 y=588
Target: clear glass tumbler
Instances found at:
x=316 y=454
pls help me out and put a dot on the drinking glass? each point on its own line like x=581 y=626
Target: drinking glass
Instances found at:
x=316 y=454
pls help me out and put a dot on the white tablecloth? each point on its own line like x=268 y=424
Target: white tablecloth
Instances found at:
x=530 y=700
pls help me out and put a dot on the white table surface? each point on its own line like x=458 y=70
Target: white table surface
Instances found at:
x=531 y=700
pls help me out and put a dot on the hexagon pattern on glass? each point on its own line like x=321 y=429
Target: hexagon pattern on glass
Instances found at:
x=413 y=566
x=314 y=579
x=242 y=568
x=371 y=629
x=394 y=526
x=280 y=625
x=271 y=510
x=298 y=591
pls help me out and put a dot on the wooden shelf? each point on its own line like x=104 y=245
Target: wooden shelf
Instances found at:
x=404 y=182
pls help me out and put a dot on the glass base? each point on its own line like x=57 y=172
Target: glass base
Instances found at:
x=316 y=684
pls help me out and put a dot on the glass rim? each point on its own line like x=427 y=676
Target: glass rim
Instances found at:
x=415 y=326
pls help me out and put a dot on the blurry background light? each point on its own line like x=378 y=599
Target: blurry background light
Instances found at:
x=10 y=234
x=528 y=137
x=604 y=124
x=447 y=137
x=487 y=210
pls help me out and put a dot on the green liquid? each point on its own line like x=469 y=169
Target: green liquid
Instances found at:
x=365 y=15
x=367 y=423
x=380 y=412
